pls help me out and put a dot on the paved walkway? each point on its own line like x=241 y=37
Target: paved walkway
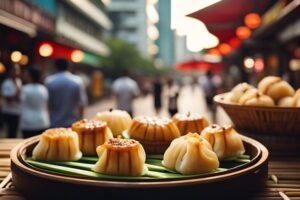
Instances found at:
x=189 y=100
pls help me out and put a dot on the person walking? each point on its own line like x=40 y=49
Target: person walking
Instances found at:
x=208 y=86
x=157 y=92
x=209 y=89
x=125 y=90
x=34 y=101
x=67 y=96
x=10 y=91
x=173 y=94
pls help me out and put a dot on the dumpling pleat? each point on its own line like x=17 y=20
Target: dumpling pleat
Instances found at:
x=124 y=163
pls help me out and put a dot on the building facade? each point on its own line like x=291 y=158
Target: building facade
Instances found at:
x=165 y=42
x=64 y=26
x=83 y=23
x=135 y=22
x=35 y=32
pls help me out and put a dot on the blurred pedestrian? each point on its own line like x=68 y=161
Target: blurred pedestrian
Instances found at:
x=125 y=89
x=145 y=85
x=67 y=96
x=10 y=90
x=157 y=92
x=173 y=93
x=209 y=88
x=194 y=84
x=34 y=102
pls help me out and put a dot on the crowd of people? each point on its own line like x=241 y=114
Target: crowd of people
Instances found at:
x=164 y=89
x=31 y=104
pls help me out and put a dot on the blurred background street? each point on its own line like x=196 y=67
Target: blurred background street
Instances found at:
x=144 y=106
x=61 y=60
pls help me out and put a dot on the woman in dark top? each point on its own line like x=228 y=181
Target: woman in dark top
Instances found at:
x=173 y=93
x=157 y=87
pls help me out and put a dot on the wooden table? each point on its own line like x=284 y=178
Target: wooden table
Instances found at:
x=283 y=182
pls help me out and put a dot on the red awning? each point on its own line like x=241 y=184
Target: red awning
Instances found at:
x=224 y=17
x=59 y=50
x=198 y=64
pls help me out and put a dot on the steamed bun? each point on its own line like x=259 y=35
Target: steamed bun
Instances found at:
x=255 y=98
x=275 y=87
x=239 y=90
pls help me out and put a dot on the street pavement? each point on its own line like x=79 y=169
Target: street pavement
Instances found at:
x=189 y=100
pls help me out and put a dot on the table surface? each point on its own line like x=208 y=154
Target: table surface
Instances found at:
x=283 y=182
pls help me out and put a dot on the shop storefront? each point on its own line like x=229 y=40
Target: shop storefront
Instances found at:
x=85 y=64
x=281 y=24
x=22 y=25
x=261 y=38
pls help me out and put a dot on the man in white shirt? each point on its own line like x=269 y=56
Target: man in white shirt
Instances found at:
x=10 y=91
x=125 y=90
x=67 y=96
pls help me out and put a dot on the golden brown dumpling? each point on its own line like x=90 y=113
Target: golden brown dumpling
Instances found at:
x=190 y=154
x=91 y=133
x=275 y=87
x=254 y=98
x=117 y=120
x=186 y=123
x=227 y=98
x=239 y=90
x=57 y=144
x=290 y=101
x=225 y=141
x=155 y=134
x=287 y=102
x=121 y=157
x=297 y=94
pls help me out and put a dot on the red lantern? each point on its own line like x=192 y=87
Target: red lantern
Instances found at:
x=224 y=48
x=259 y=65
x=252 y=20
x=243 y=32
x=235 y=42
x=214 y=51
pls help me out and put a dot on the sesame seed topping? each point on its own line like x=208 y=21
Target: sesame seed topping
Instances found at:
x=188 y=116
x=89 y=124
x=116 y=142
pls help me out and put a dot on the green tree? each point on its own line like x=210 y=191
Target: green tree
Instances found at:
x=126 y=56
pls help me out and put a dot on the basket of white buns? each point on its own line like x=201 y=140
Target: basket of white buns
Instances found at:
x=273 y=108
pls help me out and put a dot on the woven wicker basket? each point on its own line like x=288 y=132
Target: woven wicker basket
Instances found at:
x=266 y=120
